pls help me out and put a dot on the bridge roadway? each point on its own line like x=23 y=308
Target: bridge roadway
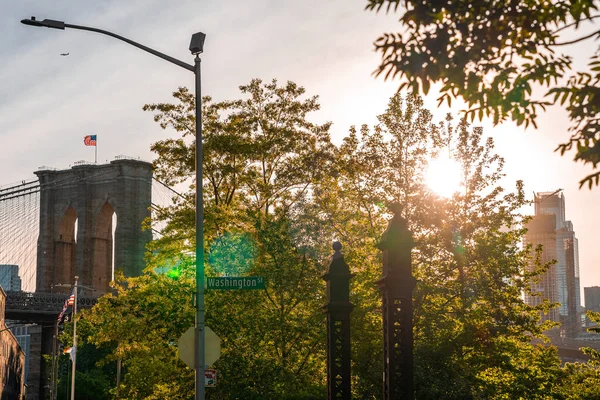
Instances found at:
x=39 y=308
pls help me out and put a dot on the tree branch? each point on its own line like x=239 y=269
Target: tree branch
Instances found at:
x=575 y=23
x=577 y=40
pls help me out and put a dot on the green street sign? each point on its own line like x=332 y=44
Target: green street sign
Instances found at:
x=236 y=283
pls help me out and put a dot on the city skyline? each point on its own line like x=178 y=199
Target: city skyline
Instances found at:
x=50 y=102
x=10 y=280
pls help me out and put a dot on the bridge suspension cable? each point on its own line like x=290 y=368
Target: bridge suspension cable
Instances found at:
x=19 y=224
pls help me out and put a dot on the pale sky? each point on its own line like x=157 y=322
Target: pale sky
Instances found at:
x=48 y=103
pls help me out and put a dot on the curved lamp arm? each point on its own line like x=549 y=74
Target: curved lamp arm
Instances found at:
x=50 y=23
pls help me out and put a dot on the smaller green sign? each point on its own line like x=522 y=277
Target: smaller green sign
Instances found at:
x=235 y=283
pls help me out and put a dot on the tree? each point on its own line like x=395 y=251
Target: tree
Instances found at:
x=96 y=372
x=579 y=381
x=472 y=328
x=492 y=54
x=260 y=154
x=373 y=168
x=140 y=324
x=262 y=159
x=286 y=199
x=471 y=322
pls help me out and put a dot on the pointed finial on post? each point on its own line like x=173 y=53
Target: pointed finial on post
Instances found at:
x=337 y=247
x=396 y=208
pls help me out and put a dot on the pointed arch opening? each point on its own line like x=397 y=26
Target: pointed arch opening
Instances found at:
x=114 y=232
x=103 y=255
x=65 y=245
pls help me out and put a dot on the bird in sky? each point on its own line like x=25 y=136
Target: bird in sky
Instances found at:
x=64 y=54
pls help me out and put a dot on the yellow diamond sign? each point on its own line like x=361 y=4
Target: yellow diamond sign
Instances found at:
x=187 y=346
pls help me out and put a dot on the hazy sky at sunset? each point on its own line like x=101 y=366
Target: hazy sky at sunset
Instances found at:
x=48 y=103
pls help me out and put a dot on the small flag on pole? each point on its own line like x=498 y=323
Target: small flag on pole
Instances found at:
x=89 y=140
x=68 y=302
x=92 y=140
x=71 y=299
x=71 y=352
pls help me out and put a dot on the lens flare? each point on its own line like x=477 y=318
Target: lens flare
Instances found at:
x=232 y=254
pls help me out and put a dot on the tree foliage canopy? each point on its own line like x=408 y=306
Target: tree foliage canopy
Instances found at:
x=277 y=192
x=471 y=323
x=262 y=158
x=493 y=53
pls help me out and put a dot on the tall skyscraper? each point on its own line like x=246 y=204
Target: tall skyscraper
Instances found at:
x=9 y=277
x=541 y=230
x=561 y=282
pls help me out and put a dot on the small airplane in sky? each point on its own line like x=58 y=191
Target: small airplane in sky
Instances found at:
x=64 y=54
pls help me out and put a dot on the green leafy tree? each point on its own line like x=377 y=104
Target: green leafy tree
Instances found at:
x=141 y=323
x=470 y=316
x=260 y=153
x=523 y=371
x=581 y=381
x=287 y=199
x=262 y=159
x=471 y=322
x=492 y=54
x=95 y=376
x=374 y=167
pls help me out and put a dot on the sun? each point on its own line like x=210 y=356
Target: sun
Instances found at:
x=443 y=176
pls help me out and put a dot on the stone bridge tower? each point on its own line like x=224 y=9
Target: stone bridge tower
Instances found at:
x=76 y=223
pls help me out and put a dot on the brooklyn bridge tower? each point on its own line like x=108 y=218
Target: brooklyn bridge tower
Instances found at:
x=91 y=223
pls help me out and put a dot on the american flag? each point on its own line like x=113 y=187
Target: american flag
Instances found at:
x=68 y=302
x=89 y=140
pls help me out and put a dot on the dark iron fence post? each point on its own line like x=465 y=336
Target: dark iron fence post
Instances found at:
x=338 y=310
x=397 y=285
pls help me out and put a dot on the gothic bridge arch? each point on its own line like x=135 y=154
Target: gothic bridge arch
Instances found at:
x=77 y=224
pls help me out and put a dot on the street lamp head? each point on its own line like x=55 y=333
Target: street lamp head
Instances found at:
x=31 y=22
x=197 y=43
x=48 y=23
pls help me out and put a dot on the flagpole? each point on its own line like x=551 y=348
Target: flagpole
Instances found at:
x=55 y=363
x=54 y=357
x=96 y=151
x=74 y=348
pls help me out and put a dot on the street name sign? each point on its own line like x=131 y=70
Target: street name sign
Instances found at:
x=187 y=345
x=235 y=283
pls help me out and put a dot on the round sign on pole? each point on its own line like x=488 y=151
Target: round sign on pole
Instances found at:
x=187 y=345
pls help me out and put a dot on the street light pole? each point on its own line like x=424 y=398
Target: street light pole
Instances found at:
x=199 y=328
x=196 y=48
